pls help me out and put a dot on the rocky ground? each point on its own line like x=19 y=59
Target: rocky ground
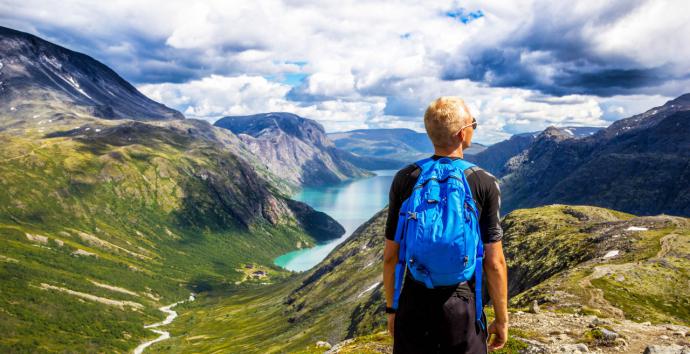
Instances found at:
x=552 y=332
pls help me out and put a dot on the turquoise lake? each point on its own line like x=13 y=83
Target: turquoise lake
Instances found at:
x=350 y=203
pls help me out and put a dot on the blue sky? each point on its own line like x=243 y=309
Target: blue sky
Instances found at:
x=520 y=66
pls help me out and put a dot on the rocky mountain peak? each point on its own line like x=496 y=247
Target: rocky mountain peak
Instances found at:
x=649 y=118
x=554 y=133
x=293 y=147
x=683 y=100
x=276 y=123
x=36 y=74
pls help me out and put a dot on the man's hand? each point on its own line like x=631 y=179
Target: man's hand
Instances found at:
x=500 y=335
x=391 y=323
x=497 y=279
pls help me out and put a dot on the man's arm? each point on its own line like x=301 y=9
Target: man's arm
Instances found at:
x=494 y=261
x=497 y=279
x=390 y=250
x=390 y=259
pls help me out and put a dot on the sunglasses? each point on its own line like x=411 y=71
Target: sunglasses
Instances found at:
x=473 y=124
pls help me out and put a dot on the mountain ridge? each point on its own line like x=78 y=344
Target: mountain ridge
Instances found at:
x=389 y=148
x=39 y=77
x=293 y=147
x=616 y=167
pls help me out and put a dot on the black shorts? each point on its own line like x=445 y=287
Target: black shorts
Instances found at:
x=440 y=320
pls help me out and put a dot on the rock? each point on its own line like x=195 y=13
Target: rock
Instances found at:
x=573 y=348
x=37 y=238
x=609 y=336
x=666 y=349
x=611 y=254
x=339 y=346
x=664 y=337
x=534 y=347
x=598 y=321
x=620 y=342
x=534 y=307
x=646 y=323
x=322 y=344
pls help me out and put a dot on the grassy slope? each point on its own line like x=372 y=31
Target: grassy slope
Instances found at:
x=541 y=245
x=290 y=315
x=646 y=281
x=143 y=207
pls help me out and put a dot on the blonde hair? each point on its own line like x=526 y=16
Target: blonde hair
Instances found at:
x=443 y=118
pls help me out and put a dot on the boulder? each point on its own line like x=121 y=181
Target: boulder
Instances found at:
x=666 y=349
x=322 y=344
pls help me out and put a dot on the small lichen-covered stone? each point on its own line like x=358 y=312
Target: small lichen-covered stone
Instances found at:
x=534 y=307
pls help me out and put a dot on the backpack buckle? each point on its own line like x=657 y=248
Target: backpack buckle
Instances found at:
x=411 y=215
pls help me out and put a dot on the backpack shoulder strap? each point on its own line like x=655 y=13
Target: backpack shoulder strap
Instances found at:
x=463 y=165
x=425 y=164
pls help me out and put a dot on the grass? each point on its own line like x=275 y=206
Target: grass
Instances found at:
x=163 y=215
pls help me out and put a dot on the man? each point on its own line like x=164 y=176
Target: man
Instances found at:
x=442 y=319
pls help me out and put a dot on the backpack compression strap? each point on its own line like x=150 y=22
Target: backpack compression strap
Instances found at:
x=479 y=307
x=400 y=266
x=478 y=267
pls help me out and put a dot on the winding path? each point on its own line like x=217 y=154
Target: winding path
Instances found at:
x=163 y=335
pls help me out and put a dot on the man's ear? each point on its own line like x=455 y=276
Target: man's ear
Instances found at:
x=461 y=135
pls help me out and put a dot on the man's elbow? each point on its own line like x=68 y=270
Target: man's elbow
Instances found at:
x=390 y=253
x=390 y=258
x=495 y=266
x=495 y=263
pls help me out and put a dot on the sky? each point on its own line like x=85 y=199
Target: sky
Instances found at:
x=519 y=65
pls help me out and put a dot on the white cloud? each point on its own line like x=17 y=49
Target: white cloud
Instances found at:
x=500 y=111
x=216 y=96
x=368 y=64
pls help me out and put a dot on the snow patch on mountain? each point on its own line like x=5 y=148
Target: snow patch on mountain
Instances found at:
x=368 y=289
x=75 y=84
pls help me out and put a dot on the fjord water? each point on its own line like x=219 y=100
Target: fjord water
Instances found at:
x=350 y=203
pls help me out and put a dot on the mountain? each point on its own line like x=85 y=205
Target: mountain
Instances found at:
x=153 y=209
x=103 y=221
x=496 y=158
x=584 y=274
x=39 y=78
x=292 y=147
x=398 y=147
x=637 y=165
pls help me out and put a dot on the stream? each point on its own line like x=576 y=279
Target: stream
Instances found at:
x=163 y=335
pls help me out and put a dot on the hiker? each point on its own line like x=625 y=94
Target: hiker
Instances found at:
x=443 y=214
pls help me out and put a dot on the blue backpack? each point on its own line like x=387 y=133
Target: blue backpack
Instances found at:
x=438 y=230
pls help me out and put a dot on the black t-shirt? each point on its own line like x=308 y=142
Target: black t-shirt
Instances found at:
x=485 y=192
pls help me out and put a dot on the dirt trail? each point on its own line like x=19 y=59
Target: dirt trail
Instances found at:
x=596 y=296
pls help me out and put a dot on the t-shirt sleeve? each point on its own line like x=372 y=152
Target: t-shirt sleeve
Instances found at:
x=394 y=203
x=490 y=220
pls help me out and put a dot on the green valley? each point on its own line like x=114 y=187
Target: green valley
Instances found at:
x=103 y=223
